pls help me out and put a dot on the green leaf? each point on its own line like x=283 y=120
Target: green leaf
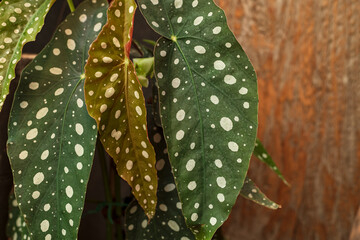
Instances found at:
x=16 y=227
x=51 y=136
x=20 y=22
x=115 y=100
x=261 y=153
x=144 y=68
x=209 y=104
x=168 y=222
x=252 y=192
x=151 y=42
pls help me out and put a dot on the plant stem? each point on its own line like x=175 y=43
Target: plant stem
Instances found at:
x=71 y=5
x=105 y=176
x=117 y=186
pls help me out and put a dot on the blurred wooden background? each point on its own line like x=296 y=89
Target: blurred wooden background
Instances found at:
x=307 y=57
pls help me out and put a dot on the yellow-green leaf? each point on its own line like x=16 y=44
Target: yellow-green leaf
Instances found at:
x=115 y=100
x=20 y=21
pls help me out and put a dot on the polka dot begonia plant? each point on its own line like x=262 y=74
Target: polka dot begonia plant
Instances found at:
x=51 y=135
x=185 y=157
x=20 y=21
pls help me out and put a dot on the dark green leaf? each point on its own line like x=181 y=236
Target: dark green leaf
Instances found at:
x=115 y=100
x=208 y=103
x=20 y=21
x=252 y=192
x=261 y=153
x=16 y=227
x=51 y=136
x=168 y=222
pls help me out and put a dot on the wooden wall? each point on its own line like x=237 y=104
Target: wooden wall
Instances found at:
x=307 y=57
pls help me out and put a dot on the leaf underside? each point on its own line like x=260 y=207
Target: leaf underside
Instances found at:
x=16 y=227
x=20 y=21
x=115 y=100
x=252 y=192
x=168 y=222
x=208 y=101
x=51 y=136
x=261 y=153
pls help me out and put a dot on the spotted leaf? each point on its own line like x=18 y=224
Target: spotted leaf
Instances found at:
x=51 y=136
x=16 y=227
x=20 y=22
x=208 y=102
x=168 y=222
x=252 y=192
x=115 y=100
x=261 y=153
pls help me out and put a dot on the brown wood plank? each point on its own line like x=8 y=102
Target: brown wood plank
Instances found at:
x=307 y=57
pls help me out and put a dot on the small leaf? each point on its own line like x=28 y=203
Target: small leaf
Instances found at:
x=144 y=68
x=168 y=222
x=51 y=136
x=261 y=153
x=20 y=21
x=208 y=102
x=115 y=100
x=16 y=227
x=252 y=192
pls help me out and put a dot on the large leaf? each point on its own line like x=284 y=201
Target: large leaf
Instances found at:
x=168 y=222
x=261 y=153
x=16 y=227
x=252 y=192
x=20 y=21
x=209 y=103
x=114 y=99
x=51 y=136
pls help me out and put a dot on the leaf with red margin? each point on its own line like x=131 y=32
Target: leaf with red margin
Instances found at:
x=114 y=99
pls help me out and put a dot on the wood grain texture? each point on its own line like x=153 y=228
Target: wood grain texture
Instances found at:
x=307 y=57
